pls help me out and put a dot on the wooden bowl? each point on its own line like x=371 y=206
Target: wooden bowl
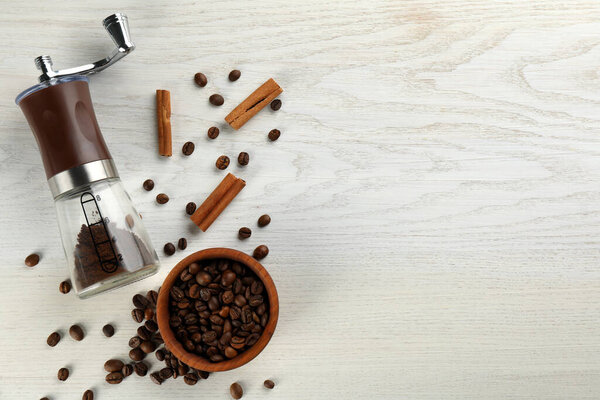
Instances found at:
x=194 y=360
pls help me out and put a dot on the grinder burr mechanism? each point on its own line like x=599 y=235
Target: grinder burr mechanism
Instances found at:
x=105 y=242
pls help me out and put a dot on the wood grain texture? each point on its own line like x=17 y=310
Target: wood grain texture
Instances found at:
x=434 y=192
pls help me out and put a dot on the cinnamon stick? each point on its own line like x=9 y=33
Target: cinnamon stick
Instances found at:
x=248 y=108
x=217 y=201
x=163 y=114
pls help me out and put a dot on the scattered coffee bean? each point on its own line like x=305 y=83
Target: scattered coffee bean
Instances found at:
x=88 y=395
x=264 y=220
x=44 y=398
x=53 y=339
x=162 y=198
x=275 y=104
x=182 y=243
x=200 y=79
x=166 y=373
x=152 y=297
x=269 y=384
x=222 y=162
x=137 y=354
x=148 y=185
x=190 y=379
x=64 y=287
x=113 y=365
x=216 y=100
x=274 y=134
x=169 y=249
x=234 y=75
x=260 y=252
x=236 y=391
x=108 y=330
x=63 y=374
x=188 y=148
x=213 y=132
x=135 y=342
x=127 y=370
x=151 y=326
x=140 y=368
x=190 y=208
x=114 y=378
x=144 y=333
x=148 y=346
x=32 y=260
x=140 y=301
x=160 y=355
x=76 y=332
x=244 y=233
x=137 y=314
x=243 y=158
x=149 y=313
x=155 y=377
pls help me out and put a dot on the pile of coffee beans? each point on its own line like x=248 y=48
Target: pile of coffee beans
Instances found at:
x=218 y=308
x=148 y=340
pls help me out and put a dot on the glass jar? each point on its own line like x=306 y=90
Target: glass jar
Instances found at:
x=105 y=241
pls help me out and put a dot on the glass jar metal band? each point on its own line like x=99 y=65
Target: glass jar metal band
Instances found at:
x=82 y=175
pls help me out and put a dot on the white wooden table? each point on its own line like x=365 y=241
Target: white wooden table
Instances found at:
x=435 y=192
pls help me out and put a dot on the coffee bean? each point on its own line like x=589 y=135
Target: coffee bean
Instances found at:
x=200 y=79
x=177 y=293
x=228 y=277
x=53 y=339
x=127 y=370
x=108 y=330
x=158 y=338
x=190 y=208
x=149 y=313
x=113 y=365
x=140 y=368
x=260 y=252
x=32 y=260
x=243 y=158
x=188 y=148
x=203 y=278
x=44 y=398
x=236 y=391
x=151 y=326
x=114 y=378
x=162 y=198
x=264 y=220
x=190 y=379
x=148 y=346
x=222 y=162
x=137 y=315
x=135 y=342
x=275 y=104
x=152 y=297
x=169 y=249
x=244 y=233
x=230 y=352
x=140 y=301
x=160 y=355
x=137 y=354
x=155 y=377
x=182 y=243
x=144 y=333
x=213 y=132
x=255 y=300
x=76 y=332
x=274 y=135
x=234 y=75
x=148 y=185
x=88 y=395
x=216 y=100
x=166 y=373
x=63 y=374
x=269 y=384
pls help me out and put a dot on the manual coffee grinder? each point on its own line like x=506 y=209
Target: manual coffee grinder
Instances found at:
x=103 y=236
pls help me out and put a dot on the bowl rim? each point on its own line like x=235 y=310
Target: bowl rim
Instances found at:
x=162 y=310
